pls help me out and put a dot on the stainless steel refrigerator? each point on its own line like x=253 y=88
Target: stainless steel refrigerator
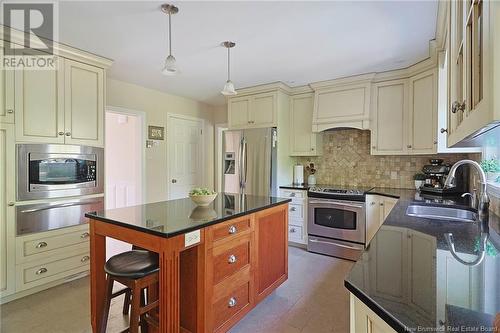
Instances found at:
x=249 y=165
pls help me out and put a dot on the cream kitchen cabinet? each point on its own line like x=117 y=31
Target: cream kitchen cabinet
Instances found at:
x=7 y=214
x=303 y=142
x=84 y=104
x=364 y=320
x=474 y=71
x=378 y=208
x=6 y=92
x=404 y=115
x=297 y=215
x=253 y=111
x=60 y=106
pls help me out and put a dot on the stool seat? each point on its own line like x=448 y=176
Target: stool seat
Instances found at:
x=133 y=264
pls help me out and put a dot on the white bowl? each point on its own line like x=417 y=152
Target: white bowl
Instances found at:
x=203 y=200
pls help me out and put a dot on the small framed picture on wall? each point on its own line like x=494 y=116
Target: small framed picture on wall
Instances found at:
x=156 y=133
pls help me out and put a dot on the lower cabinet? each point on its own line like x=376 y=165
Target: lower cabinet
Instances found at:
x=378 y=208
x=247 y=258
x=297 y=212
x=364 y=320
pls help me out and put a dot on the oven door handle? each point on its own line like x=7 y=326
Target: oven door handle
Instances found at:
x=59 y=206
x=315 y=202
x=336 y=244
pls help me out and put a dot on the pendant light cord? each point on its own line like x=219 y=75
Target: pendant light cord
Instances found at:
x=228 y=64
x=169 y=33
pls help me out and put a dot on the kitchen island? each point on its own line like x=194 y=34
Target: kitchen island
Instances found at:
x=200 y=289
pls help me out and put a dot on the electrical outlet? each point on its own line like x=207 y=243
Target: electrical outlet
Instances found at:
x=191 y=238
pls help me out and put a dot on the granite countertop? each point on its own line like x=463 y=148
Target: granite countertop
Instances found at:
x=410 y=278
x=175 y=217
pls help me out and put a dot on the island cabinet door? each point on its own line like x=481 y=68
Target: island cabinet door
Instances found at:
x=272 y=249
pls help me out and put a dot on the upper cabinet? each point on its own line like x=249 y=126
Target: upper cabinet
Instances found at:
x=84 y=104
x=63 y=105
x=6 y=92
x=303 y=142
x=253 y=111
x=404 y=115
x=474 y=73
x=338 y=103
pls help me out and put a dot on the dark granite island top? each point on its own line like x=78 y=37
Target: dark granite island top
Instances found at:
x=175 y=217
x=409 y=277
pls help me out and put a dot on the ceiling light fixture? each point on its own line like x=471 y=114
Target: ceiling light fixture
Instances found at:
x=229 y=86
x=170 y=67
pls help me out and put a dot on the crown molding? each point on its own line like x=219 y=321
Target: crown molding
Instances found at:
x=60 y=49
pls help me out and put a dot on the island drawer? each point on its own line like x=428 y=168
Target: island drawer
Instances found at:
x=230 y=305
x=232 y=228
x=230 y=257
x=36 y=245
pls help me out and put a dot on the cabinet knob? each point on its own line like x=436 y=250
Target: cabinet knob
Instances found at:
x=435 y=142
x=174 y=181
x=61 y=133
x=10 y=111
x=374 y=147
x=232 y=302
x=41 y=245
x=41 y=271
x=381 y=204
x=443 y=130
x=231 y=259
x=292 y=194
x=11 y=204
x=372 y=203
x=292 y=230
x=293 y=209
x=232 y=230
x=312 y=149
x=68 y=133
x=85 y=258
x=408 y=146
x=85 y=235
x=457 y=106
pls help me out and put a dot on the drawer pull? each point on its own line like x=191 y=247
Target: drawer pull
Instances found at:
x=85 y=258
x=293 y=209
x=41 y=271
x=232 y=302
x=372 y=203
x=292 y=230
x=232 y=230
x=231 y=259
x=292 y=194
x=85 y=235
x=41 y=245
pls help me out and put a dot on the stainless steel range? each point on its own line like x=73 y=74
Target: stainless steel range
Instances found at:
x=336 y=221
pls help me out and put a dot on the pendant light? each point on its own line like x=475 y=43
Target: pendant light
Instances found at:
x=170 y=67
x=229 y=86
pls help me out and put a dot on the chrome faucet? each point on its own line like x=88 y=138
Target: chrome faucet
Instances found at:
x=484 y=201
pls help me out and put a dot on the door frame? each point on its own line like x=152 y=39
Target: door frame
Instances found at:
x=142 y=139
x=169 y=138
x=219 y=130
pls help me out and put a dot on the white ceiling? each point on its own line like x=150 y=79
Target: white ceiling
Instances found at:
x=293 y=42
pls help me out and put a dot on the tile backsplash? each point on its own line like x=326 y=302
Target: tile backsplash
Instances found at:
x=346 y=160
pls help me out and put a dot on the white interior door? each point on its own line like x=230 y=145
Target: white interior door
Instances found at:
x=185 y=155
x=124 y=166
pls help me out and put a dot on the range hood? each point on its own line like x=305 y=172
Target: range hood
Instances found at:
x=344 y=104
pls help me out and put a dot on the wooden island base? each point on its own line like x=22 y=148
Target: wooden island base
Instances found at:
x=210 y=286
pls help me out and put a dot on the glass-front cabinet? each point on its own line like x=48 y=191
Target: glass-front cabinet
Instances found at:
x=471 y=45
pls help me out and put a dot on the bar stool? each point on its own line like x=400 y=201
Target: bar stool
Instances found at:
x=136 y=270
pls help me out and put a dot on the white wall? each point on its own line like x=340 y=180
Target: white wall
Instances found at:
x=156 y=105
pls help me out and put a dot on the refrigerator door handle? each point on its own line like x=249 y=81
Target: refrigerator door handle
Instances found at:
x=243 y=164
x=246 y=162
x=240 y=165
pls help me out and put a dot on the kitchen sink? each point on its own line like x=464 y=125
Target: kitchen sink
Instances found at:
x=442 y=213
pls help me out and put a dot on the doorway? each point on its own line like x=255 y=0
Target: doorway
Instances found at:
x=124 y=164
x=185 y=155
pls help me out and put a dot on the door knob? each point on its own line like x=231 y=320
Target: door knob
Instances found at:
x=174 y=181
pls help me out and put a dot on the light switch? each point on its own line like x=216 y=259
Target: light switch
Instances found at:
x=191 y=238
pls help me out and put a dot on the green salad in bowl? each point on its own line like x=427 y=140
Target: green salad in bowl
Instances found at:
x=202 y=196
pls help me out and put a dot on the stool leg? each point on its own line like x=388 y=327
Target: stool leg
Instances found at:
x=107 y=303
x=126 y=302
x=135 y=311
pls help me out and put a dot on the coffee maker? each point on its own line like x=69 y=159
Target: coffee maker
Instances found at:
x=436 y=173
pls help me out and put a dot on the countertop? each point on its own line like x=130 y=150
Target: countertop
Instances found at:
x=409 y=277
x=175 y=217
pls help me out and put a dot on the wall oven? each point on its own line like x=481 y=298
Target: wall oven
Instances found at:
x=52 y=171
x=336 y=227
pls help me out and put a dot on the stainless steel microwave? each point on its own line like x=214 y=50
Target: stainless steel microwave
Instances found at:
x=53 y=171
